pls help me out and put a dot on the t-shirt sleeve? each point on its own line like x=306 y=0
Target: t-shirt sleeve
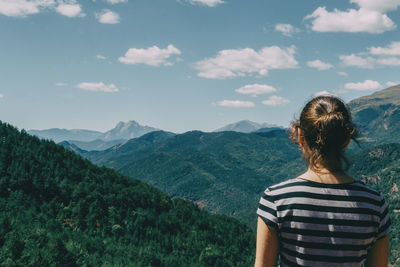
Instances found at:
x=267 y=210
x=384 y=225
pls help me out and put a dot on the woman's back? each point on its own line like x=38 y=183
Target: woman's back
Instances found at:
x=322 y=224
x=324 y=217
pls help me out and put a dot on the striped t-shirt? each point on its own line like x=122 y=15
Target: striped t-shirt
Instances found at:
x=324 y=224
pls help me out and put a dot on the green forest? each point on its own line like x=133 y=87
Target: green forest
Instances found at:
x=58 y=209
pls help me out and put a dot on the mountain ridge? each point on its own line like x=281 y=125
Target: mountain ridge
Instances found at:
x=59 y=135
x=246 y=126
x=378 y=116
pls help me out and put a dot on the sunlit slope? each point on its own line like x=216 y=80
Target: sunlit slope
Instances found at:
x=378 y=115
x=58 y=209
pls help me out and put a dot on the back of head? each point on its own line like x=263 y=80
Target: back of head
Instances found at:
x=326 y=126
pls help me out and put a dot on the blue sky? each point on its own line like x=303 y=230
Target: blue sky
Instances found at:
x=181 y=65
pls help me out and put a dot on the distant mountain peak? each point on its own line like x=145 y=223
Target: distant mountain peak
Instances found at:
x=122 y=124
x=246 y=126
x=127 y=130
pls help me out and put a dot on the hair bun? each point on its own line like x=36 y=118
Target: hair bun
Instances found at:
x=330 y=116
x=325 y=122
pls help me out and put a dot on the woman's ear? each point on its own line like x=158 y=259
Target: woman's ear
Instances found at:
x=300 y=137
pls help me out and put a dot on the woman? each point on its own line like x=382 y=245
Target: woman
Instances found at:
x=324 y=217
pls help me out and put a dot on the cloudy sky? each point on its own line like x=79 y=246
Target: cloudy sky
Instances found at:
x=181 y=65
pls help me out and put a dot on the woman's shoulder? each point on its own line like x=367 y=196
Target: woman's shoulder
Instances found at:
x=367 y=188
x=299 y=183
x=285 y=184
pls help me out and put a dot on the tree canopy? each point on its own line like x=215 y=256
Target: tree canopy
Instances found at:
x=58 y=209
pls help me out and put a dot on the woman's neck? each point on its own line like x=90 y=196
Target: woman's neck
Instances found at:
x=325 y=176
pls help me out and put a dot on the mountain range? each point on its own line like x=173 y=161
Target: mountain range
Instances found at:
x=123 y=131
x=376 y=115
x=246 y=126
x=213 y=169
x=94 y=140
x=59 y=135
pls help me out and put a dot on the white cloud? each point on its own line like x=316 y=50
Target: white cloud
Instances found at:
x=61 y=84
x=100 y=57
x=107 y=16
x=275 y=100
x=70 y=9
x=388 y=61
x=286 y=29
x=153 y=56
x=363 y=86
x=98 y=87
x=318 y=64
x=322 y=93
x=374 y=57
x=358 y=61
x=390 y=84
x=116 y=1
x=210 y=3
x=392 y=50
x=256 y=89
x=1 y=96
x=342 y=73
x=368 y=62
x=235 y=104
x=352 y=20
x=241 y=62
x=23 y=8
x=377 y=5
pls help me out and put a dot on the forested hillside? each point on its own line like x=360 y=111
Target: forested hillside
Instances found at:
x=58 y=209
x=379 y=167
x=222 y=172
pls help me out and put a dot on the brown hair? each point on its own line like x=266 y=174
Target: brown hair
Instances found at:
x=326 y=125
